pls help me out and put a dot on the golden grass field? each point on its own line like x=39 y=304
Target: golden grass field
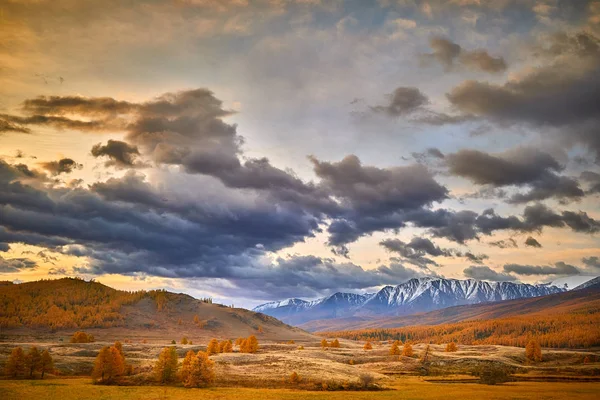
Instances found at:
x=562 y=374
x=406 y=388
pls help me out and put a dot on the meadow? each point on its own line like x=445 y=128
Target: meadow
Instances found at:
x=405 y=388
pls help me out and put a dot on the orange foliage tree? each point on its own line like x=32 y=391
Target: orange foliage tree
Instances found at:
x=533 y=351
x=213 y=347
x=451 y=347
x=166 y=366
x=108 y=365
x=249 y=345
x=197 y=370
x=15 y=366
x=407 y=351
x=368 y=346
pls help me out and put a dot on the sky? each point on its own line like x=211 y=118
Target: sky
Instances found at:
x=259 y=150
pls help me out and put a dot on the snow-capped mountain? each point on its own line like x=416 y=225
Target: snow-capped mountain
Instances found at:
x=415 y=295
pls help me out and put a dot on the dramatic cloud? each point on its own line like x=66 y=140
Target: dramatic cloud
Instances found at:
x=532 y=242
x=120 y=154
x=375 y=199
x=487 y=274
x=560 y=268
x=416 y=250
x=518 y=167
x=449 y=54
x=562 y=94
x=404 y=100
x=12 y=265
x=62 y=166
x=592 y=263
x=477 y=259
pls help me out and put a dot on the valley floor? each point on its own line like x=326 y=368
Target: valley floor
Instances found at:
x=264 y=375
x=406 y=388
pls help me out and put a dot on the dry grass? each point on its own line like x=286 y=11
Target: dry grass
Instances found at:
x=407 y=388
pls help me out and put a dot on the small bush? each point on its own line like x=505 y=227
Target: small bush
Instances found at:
x=294 y=378
x=493 y=374
x=366 y=380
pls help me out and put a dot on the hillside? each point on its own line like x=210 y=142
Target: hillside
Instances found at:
x=413 y=296
x=60 y=306
x=568 y=319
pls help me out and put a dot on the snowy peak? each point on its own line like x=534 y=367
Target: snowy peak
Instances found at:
x=412 y=296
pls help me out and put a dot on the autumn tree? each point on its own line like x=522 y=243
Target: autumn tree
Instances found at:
x=32 y=360
x=451 y=347
x=249 y=345
x=395 y=349
x=104 y=366
x=46 y=363
x=226 y=346
x=324 y=343
x=213 y=347
x=533 y=351
x=15 y=366
x=184 y=340
x=407 y=351
x=197 y=369
x=165 y=368
x=81 y=337
x=368 y=346
x=239 y=341
x=335 y=344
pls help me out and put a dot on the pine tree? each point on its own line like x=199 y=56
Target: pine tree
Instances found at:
x=395 y=349
x=324 y=343
x=46 y=363
x=213 y=347
x=165 y=368
x=15 y=366
x=335 y=344
x=368 y=346
x=32 y=360
x=184 y=340
x=407 y=351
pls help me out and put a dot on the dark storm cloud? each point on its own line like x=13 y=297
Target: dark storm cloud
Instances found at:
x=592 y=263
x=310 y=276
x=487 y=274
x=12 y=265
x=51 y=120
x=560 y=268
x=521 y=167
x=476 y=258
x=450 y=54
x=593 y=180
x=375 y=199
x=62 y=166
x=563 y=93
x=532 y=242
x=120 y=154
x=416 y=250
x=404 y=100
x=4 y=246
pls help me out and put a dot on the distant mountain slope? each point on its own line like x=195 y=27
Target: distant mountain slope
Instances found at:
x=586 y=300
x=413 y=296
x=569 y=319
x=65 y=305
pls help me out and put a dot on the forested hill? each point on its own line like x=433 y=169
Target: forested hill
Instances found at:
x=72 y=303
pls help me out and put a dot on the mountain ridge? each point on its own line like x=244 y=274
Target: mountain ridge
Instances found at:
x=413 y=296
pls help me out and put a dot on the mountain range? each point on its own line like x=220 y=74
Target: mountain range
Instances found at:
x=414 y=296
